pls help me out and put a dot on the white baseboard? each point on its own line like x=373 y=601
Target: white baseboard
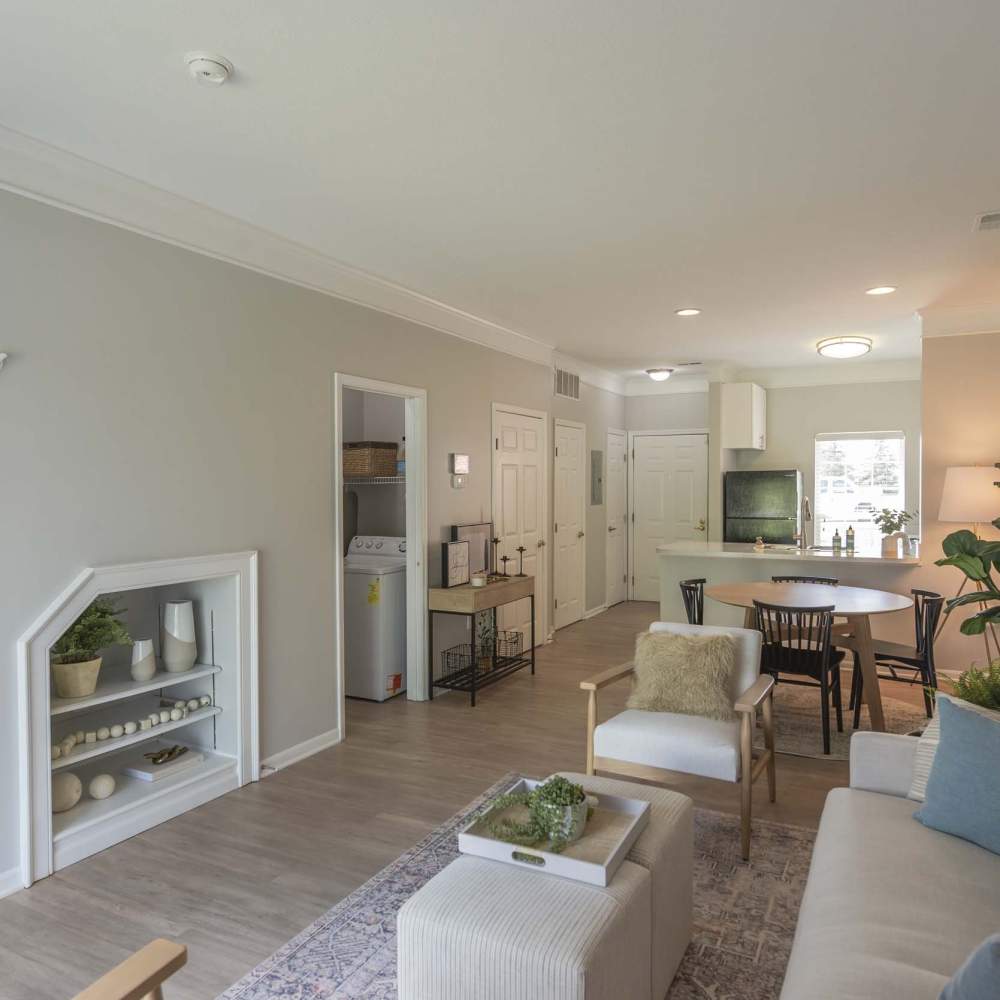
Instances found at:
x=10 y=881
x=594 y=612
x=285 y=758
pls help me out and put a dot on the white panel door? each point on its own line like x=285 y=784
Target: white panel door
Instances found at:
x=519 y=476
x=670 y=501
x=616 y=560
x=568 y=535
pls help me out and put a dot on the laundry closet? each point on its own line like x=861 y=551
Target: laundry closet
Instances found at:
x=374 y=511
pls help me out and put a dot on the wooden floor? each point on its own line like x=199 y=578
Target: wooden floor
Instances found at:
x=238 y=877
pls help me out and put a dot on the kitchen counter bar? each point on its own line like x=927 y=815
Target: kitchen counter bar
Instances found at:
x=745 y=550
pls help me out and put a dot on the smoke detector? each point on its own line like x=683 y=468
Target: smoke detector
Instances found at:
x=207 y=67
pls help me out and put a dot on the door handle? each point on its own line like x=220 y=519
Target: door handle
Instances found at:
x=611 y=527
x=541 y=543
x=579 y=534
x=700 y=526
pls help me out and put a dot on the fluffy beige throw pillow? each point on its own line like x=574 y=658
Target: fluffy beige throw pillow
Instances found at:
x=686 y=674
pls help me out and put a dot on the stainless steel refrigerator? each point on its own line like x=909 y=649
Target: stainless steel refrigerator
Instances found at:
x=762 y=504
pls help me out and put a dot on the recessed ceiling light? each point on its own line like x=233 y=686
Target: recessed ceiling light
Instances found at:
x=881 y=290
x=659 y=374
x=844 y=347
x=207 y=67
x=688 y=312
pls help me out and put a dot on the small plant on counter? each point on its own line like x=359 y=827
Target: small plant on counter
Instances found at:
x=890 y=521
x=97 y=628
x=557 y=813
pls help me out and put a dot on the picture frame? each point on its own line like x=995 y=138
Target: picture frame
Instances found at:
x=479 y=537
x=455 y=563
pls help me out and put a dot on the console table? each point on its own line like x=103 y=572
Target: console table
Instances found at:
x=468 y=601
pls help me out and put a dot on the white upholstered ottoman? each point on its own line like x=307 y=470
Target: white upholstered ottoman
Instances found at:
x=484 y=930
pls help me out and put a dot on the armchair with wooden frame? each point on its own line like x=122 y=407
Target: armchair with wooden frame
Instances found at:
x=654 y=745
x=140 y=976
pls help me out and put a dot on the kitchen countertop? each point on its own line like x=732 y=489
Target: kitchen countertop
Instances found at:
x=785 y=553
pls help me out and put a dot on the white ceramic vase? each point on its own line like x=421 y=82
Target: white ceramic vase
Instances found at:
x=143 y=660
x=177 y=645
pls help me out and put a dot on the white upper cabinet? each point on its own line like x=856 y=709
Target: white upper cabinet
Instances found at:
x=744 y=416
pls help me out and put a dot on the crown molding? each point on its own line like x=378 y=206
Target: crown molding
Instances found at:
x=676 y=385
x=836 y=373
x=47 y=174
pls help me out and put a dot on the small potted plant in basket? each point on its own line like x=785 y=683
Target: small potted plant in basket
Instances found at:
x=558 y=811
x=890 y=523
x=74 y=657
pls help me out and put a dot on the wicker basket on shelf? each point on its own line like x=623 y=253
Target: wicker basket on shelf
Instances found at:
x=369 y=458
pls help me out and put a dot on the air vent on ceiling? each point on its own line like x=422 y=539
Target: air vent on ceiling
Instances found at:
x=987 y=221
x=567 y=384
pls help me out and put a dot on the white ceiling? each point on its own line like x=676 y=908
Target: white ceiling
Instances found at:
x=572 y=170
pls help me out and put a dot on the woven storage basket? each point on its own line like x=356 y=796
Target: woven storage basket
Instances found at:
x=370 y=458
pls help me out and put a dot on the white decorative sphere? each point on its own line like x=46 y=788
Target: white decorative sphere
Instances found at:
x=130 y=728
x=117 y=730
x=165 y=716
x=56 y=752
x=103 y=733
x=205 y=699
x=193 y=705
x=66 y=791
x=180 y=703
x=79 y=736
x=176 y=714
x=101 y=786
x=154 y=719
x=66 y=745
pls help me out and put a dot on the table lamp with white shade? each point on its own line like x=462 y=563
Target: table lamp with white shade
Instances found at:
x=970 y=496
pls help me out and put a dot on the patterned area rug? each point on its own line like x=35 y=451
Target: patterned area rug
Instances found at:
x=745 y=917
x=799 y=731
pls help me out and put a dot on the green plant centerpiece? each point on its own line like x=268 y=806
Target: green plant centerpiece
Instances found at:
x=557 y=814
x=75 y=655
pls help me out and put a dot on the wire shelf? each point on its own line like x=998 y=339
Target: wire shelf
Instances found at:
x=374 y=481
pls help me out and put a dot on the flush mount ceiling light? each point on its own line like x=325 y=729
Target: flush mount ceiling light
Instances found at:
x=844 y=347
x=881 y=290
x=659 y=374
x=208 y=67
x=688 y=312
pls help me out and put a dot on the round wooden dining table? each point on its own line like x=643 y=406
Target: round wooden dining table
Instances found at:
x=854 y=604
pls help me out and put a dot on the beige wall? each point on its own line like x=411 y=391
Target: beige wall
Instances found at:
x=160 y=403
x=676 y=411
x=961 y=427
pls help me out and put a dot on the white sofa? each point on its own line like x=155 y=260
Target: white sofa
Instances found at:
x=891 y=908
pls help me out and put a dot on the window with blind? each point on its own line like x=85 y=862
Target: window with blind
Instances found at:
x=856 y=476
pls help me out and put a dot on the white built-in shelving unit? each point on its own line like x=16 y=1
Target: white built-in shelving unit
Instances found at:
x=223 y=590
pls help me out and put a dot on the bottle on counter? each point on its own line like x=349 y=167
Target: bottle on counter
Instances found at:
x=850 y=539
x=837 y=542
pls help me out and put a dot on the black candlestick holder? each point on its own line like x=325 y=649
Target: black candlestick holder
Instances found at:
x=495 y=567
x=520 y=550
x=505 y=560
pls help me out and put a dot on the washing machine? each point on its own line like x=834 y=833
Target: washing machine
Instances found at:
x=375 y=617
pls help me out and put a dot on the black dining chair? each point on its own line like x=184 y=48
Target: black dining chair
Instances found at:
x=917 y=661
x=693 y=592
x=828 y=580
x=797 y=642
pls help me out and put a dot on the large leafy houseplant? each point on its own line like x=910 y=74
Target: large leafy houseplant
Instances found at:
x=978 y=559
x=97 y=628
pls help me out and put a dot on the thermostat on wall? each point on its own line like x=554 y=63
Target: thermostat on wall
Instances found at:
x=459 y=465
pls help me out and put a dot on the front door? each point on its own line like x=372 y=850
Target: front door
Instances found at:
x=670 y=501
x=616 y=560
x=519 y=476
x=568 y=530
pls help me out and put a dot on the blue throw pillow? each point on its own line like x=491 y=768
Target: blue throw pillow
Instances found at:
x=979 y=976
x=963 y=790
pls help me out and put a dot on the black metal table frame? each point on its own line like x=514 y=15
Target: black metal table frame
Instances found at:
x=497 y=673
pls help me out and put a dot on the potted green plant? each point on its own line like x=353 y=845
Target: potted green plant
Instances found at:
x=890 y=522
x=558 y=811
x=74 y=657
x=977 y=559
x=980 y=686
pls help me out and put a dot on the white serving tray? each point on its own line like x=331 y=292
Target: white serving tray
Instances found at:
x=594 y=858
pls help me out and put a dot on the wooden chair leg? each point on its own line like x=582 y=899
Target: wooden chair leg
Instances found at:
x=824 y=697
x=746 y=781
x=591 y=726
x=768 y=709
x=838 y=702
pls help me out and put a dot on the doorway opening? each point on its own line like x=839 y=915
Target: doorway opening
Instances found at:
x=380 y=540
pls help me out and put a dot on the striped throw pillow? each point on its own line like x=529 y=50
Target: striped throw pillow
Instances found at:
x=923 y=759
